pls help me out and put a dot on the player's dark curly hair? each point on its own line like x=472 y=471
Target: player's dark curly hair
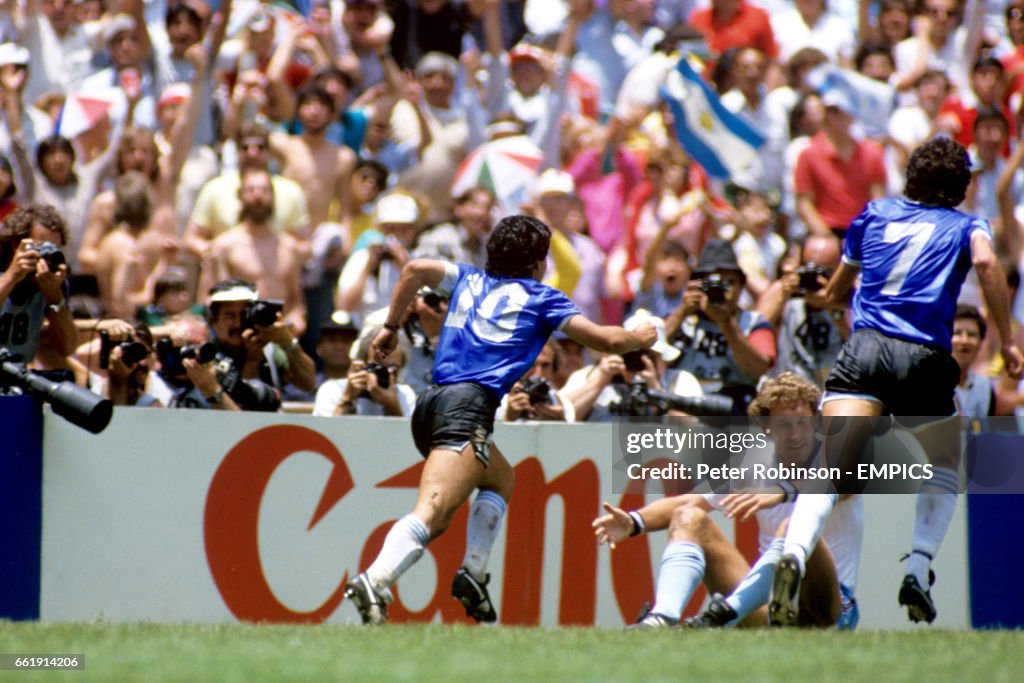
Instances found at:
x=938 y=173
x=516 y=245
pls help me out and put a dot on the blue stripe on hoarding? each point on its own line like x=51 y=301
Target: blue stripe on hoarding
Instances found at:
x=737 y=125
x=21 y=506
x=693 y=144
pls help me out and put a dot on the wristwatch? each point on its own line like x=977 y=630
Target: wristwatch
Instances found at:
x=217 y=396
x=57 y=307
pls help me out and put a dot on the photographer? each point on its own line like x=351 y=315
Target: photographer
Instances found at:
x=422 y=327
x=370 y=388
x=33 y=285
x=811 y=330
x=725 y=347
x=534 y=397
x=602 y=391
x=118 y=364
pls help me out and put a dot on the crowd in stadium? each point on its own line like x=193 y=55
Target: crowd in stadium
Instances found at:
x=242 y=182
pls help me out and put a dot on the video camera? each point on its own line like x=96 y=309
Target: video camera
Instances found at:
x=716 y=287
x=77 y=405
x=642 y=401
x=808 y=274
x=131 y=352
x=538 y=389
x=262 y=312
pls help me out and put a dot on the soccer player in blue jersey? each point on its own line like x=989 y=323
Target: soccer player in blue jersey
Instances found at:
x=912 y=255
x=498 y=321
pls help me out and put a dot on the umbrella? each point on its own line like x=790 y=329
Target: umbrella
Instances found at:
x=506 y=166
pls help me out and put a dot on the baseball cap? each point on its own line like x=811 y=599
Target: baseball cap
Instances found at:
x=340 y=321
x=174 y=93
x=432 y=62
x=839 y=100
x=717 y=254
x=236 y=293
x=116 y=24
x=12 y=53
x=661 y=347
x=397 y=208
x=525 y=52
x=553 y=181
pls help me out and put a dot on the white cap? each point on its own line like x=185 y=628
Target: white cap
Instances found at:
x=838 y=99
x=397 y=208
x=237 y=293
x=667 y=352
x=553 y=181
x=12 y=53
x=116 y=24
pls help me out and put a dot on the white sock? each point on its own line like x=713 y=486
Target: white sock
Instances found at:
x=936 y=503
x=756 y=587
x=806 y=524
x=484 y=523
x=402 y=547
x=682 y=568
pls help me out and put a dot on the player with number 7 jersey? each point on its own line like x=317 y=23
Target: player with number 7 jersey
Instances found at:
x=499 y=320
x=912 y=256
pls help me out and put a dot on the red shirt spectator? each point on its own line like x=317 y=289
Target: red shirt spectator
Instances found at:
x=840 y=187
x=735 y=23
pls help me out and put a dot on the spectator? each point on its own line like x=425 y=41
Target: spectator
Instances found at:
x=369 y=389
x=837 y=174
x=725 y=347
x=426 y=26
x=253 y=251
x=811 y=332
x=219 y=203
x=975 y=393
x=735 y=23
x=131 y=257
x=463 y=240
x=940 y=41
x=31 y=291
x=534 y=397
x=959 y=110
x=759 y=247
x=60 y=46
x=334 y=353
x=810 y=24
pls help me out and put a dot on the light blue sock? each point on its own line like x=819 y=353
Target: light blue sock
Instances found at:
x=681 y=571
x=756 y=587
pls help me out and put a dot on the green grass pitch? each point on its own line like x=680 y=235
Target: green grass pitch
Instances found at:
x=153 y=652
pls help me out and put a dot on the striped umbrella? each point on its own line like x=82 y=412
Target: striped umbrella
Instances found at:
x=506 y=166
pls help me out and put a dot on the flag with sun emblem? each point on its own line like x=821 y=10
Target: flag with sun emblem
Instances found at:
x=720 y=141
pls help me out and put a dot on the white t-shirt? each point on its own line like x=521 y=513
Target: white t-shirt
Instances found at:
x=329 y=395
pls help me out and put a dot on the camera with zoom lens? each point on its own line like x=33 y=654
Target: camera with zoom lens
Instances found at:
x=51 y=253
x=131 y=352
x=716 y=287
x=262 y=312
x=809 y=274
x=381 y=372
x=639 y=400
x=538 y=389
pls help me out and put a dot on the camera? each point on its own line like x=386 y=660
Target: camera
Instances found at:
x=131 y=352
x=639 y=400
x=51 y=253
x=262 y=312
x=537 y=388
x=433 y=301
x=171 y=357
x=381 y=372
x=716 y=288
x=381 y=251
x=634 y=360
x=808 y=274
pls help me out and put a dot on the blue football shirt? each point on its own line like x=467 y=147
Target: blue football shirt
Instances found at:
x=913 y=260
x=495 y=327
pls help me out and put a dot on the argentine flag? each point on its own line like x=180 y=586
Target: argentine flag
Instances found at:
x=720 y=141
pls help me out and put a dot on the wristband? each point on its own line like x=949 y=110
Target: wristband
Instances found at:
x=391 y=326
x=638 y=523
x=217 y=396
x=294 y=344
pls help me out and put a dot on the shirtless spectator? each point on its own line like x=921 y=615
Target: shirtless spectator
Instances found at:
x=218 y=204
x=253 y=251
x=131 y=258
x=321 y=167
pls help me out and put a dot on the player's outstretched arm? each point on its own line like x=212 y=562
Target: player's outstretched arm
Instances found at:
x=617 y=524
x=997 y=298
x=416 y=274
x=609 y=338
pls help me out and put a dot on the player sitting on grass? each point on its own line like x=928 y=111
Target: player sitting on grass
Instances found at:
x=496 y=325
x=698 y=549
